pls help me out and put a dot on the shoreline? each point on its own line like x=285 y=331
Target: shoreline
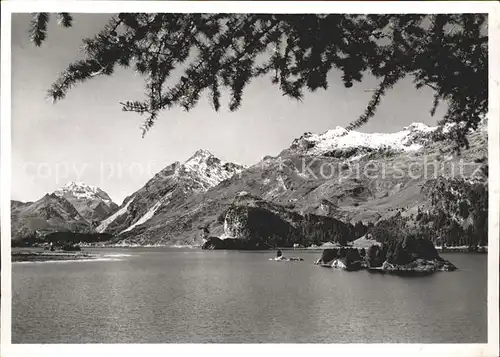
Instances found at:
x=52 y=256
x=46 y=256
x=461 y=249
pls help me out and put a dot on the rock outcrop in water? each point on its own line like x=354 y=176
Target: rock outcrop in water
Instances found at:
x=405 y=257
x=349 y=259
x=417 y=266
x=414 y=254
x=287 y=259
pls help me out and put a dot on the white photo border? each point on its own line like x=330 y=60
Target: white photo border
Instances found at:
x=466 y=350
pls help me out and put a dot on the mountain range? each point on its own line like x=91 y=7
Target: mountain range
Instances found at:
x=333 y=179
x=82 y=208
x=51 y=213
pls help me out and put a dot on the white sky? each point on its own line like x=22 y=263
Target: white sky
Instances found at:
x=86 y=137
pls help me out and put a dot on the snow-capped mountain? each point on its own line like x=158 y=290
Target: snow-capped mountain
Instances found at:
x=208 y=170
x=80 y=190
x=411 y=138
x=90 y=201
x=306 y=180
x=168 y=188
x=76 y=207
x=316 y=175
x=51 y=213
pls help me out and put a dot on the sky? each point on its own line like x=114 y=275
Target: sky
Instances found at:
x=86 y=137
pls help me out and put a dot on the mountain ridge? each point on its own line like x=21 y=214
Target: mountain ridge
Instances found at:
x=316 y=176
x=51 y=213
x=283 y=180
x=74 y=207
x=90 y=201
x=169 y=188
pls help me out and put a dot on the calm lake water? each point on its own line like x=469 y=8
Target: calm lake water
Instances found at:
x=193 y=296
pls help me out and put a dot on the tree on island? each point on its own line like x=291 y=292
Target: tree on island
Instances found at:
x=217 y=52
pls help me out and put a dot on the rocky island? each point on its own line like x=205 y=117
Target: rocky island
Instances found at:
x=409 y=256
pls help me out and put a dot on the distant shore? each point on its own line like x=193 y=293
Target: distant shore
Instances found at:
x=461 y=249
x=42 y=256
x=49 y=256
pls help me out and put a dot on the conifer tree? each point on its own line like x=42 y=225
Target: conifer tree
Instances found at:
x=216 y=52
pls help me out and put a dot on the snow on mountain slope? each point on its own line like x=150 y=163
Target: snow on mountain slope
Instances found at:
x=172 y=206
x=82 y=191
x=90 y=201
x=105 y=223
x=411 y=138
x=171 y=187
x=378 y=186
x=150 y=213
x=210 y=170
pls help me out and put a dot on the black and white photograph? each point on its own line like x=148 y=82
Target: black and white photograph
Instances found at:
x=251 y=177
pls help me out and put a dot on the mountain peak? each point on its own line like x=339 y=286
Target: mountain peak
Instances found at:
x=199 y=156
x=203 y=152
x=338 y=131
x=411 y=138
x=75 y=190
x=172 y=185
x=209 y=169
x=79 y=186
x=92 y=203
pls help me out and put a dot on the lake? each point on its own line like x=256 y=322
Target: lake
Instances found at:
x=162 y=295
